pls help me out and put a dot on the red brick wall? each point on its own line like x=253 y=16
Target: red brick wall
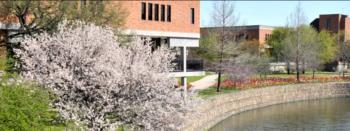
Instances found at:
x=180 y=16
x=335 y=21
x=347 y=29
x=253 y=34
x=258 y=34
x=262 y=35
x=338 y=23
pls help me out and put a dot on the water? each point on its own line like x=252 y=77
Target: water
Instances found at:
x=314 y=115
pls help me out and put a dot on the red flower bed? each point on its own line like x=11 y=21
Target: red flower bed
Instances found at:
x=272 y=81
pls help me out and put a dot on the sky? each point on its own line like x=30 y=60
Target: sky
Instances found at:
x=275 y=13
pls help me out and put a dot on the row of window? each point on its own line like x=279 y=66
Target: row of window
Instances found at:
x=267 y=36
x=157 y=12
x=328 y=24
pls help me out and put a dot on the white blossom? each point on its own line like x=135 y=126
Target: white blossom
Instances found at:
x=100 y=82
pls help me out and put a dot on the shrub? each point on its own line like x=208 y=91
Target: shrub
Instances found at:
x=24 y=107
x=101 y=83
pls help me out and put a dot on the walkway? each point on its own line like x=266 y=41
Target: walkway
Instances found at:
x=204 y=82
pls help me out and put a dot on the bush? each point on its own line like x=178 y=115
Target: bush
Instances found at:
x=24 y=107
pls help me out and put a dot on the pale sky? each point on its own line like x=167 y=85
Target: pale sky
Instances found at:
x=275 y=13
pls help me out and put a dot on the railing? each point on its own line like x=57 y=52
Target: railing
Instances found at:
x=192 y=65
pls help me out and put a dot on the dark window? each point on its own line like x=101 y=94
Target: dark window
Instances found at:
x=169 y=13
x=328 y=23
x=156 y=12
x=143 y=11
x=192 y=15
x=83 y=2
x=162 y=12
x=150 y=11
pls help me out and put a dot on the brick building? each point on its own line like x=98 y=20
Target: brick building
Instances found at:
x=171 y=23
x=8 y=25
x=334 y=23
x=259 y=33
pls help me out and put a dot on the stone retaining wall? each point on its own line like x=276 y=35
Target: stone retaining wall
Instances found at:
x=220 y=107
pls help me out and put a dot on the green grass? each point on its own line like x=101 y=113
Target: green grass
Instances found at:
x=3 y=64
x=211 y=91
x=196 y=78
x=62 y=127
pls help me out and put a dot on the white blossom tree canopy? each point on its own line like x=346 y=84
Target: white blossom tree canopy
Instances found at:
x=101 y=83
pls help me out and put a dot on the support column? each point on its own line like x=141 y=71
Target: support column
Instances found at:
x=184 y=86
x=184 y=79
x=184 y=59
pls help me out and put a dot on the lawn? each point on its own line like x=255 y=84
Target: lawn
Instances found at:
x=3 y=65
x=196 y=78
x=211 y=91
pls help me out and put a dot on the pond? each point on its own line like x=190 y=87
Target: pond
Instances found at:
x=315 y=115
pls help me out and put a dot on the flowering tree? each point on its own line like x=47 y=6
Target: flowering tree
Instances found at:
x=240 y=68
x=101 y=83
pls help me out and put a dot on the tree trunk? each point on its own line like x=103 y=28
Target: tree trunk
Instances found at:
x=221 y=53
x=297 y=68
x=303 y=69
x=288 y=67
x=344 y=64
x=235 y=83
x=260 y=75
x=219 y=82
x=340 y=70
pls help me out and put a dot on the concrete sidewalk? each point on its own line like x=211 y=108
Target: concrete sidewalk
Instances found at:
x=204 y=82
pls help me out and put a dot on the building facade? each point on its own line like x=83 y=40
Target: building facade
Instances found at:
x=335 y=23
x=171 y=23
x=8 y=25
x=259 y=33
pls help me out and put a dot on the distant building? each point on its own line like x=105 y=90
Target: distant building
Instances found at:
x=260 y=33
x=334 y=23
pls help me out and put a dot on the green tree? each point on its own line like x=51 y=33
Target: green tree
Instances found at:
x=343 y=50
x=101 y=13
x=311 y=49
x=302 y=47
x=322 y=53
x=276 y=42
x=224 y=17
x=296 y=46
x=207 y=49
x=328 y=46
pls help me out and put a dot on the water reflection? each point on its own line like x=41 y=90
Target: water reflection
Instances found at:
x=314 y=115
